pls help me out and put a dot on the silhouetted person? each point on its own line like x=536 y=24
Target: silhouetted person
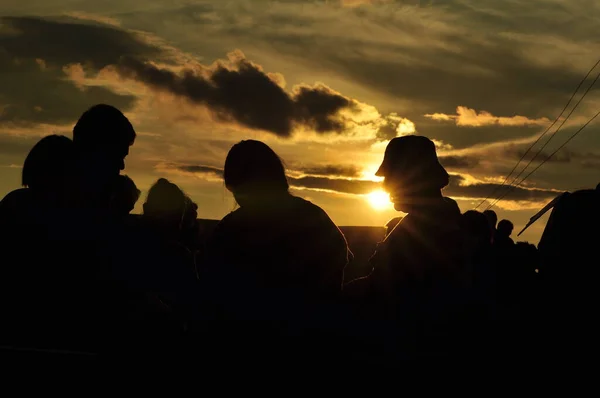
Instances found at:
x=37 y=268
x=277 y=257
x=102 y=137
x=477 y=225
x=504 y=253
x=503 y=232
x=418 y=270
x=26 y=214
x=125 y=195
x=569 y=269
x=156 y=260
x=168 y=206
x=492 y=218
x=78 y=301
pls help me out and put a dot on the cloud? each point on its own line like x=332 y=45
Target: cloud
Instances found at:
x=460 y=186
x=393 y=125
x=239 y=90
x=455 y=162
x=471 y=118
x=63 y=41
x=201 y=169
x=357 y=3
x=418 y=59
x=331 y=170
x=340 y=185
x=33 y=53
x=537 y=156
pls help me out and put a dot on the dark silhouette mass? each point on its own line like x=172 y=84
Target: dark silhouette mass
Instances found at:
x=275 y=279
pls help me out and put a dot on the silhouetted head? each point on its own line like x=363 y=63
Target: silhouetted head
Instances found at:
x=48 y=165
x=103 y=135
x=492 y=218
x=413 y=175
x=167 y=204
x=476 y=225
x=505 y=228
x=598 y=187
x=254 y=172
x=124 y=196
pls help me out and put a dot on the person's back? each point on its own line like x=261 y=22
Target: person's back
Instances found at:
x=277 y=258
x=164 y=262
x=286 y=245
x=568 y=247
x=419 y=278
x=568 y=254
x=421 y=250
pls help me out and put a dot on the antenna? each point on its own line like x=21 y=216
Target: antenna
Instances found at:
x=540 y=213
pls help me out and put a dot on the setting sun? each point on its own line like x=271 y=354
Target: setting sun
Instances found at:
x=379 y=200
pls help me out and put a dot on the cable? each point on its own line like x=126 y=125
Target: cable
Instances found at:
x=557 y=130
x=545 y=160
x=541 y=136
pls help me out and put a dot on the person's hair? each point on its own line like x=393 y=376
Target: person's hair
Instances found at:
x=505 y=226
x=491 y=216
x=164 y=199
x=476 y=224
x=125 y=194
x=169 y=206
x=103 y=125
x=252 y=167
x=48 y=161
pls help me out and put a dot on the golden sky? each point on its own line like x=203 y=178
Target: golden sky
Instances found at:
x=325 y=83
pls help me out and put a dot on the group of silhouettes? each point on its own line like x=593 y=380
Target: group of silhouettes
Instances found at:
x=81 y=274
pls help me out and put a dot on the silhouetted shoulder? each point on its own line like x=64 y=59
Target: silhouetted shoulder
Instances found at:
x=301 y=210
x=14 y=203
x=309 y=208
x=16 y=196
x=452 y=205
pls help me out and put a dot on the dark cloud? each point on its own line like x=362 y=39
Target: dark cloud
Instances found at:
x=356 y=187
x=482 y=190
x=361 y=187
x=65 y=41
x=505 y=60
x=537 y=156
x=331 y=170
x=33 y=53
x=564 y=156
x=244 y=93
x=459 y=162
x=201 y=169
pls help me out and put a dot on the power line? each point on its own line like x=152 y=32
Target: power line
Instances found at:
x=555 y=132
x=545 y=160
x=540 y=137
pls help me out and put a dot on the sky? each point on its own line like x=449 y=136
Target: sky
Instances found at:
x=325 y=83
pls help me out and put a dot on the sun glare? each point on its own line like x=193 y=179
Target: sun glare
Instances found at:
x=379 y=200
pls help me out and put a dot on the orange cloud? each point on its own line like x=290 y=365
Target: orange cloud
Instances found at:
x=84 y=16
x=356 y=3
x=471 y=118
